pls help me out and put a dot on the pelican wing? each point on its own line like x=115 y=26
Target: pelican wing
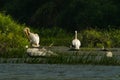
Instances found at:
x=34 y=38
x=37 y=39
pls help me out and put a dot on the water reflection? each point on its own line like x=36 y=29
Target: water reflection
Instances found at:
x=58 y=72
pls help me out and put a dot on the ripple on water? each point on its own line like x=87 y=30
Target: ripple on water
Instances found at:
x=58 y=72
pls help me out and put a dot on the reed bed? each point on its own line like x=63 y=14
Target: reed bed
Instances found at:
x=85 y=59
x=74 y=58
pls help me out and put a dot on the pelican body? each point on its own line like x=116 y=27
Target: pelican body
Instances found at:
x=76 y=42
x=109 y=54
x=32 y=37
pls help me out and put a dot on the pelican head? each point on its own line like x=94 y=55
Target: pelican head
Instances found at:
x=75 y=32
x=27 y=31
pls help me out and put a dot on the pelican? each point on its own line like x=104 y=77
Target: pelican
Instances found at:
x=76 y=42
x=109 y=54
x=32 y=37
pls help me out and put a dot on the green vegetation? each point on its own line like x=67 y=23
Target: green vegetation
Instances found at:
x=75 y=58
x=97 y=23
x=83 y=58
x=11 y=33
x=99 y=38
x=12 y=37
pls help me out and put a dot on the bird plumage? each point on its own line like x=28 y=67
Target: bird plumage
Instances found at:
x=76 y=42
x=32 y=37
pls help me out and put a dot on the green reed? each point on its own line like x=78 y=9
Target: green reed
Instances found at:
x=20 y=56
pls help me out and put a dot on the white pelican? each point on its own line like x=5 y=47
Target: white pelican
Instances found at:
x=76 y=42
x=109 y=54
x=34 y=38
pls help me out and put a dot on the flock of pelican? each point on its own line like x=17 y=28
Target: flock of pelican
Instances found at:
x=34 y=43
x=34 y=39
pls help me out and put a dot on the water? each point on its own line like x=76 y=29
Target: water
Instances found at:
x=58 y=72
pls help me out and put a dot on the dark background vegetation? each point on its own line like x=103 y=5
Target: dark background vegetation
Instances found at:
x=97 y=22
x=67 y=14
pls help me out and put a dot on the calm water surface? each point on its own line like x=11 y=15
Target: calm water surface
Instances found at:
x=58 y=72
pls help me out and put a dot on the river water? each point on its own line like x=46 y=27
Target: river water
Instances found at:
x=58 y=72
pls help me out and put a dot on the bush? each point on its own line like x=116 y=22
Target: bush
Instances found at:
x=115 y=37
x=11 y=33
x=54 y=35
x=96 y=38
